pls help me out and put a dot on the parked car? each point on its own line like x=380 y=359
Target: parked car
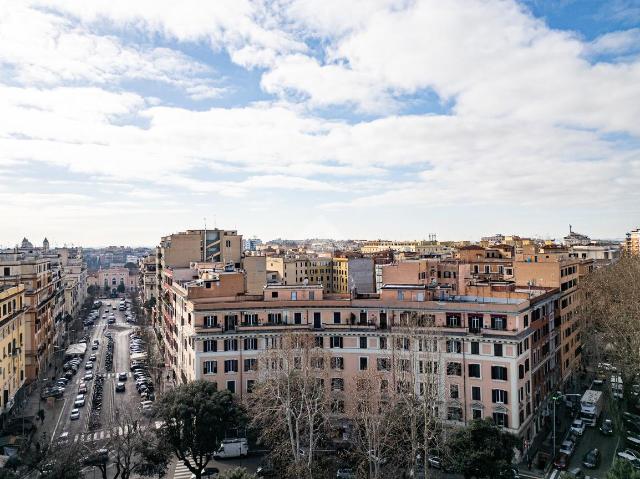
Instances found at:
x=88 y=365
x=629 y=455
x=75 y=414
x=577 y=427
x=591 y=459
x=82 y=388
x=567 y=447
x=88 y=376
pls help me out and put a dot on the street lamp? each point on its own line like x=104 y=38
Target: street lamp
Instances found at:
x=555 y=398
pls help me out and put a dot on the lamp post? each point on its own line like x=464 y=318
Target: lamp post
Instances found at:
x=555 y=398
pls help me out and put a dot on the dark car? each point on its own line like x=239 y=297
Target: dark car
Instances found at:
x=561 y=462
x=120 y=387
x=607 y=427
x=591 y=459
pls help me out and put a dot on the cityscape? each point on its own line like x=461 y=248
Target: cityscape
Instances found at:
x=95 y=339
x=320 y=239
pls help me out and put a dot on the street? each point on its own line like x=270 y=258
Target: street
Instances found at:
x=78 y=430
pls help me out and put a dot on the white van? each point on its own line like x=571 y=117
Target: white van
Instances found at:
x=235 y=447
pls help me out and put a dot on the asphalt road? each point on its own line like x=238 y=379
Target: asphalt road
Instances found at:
x=129 y=400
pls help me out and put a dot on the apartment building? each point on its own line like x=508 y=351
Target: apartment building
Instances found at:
x=601 y=253
x=488 y=341
x=44 y=302
x=177 y=251
x=339 y=275
x=12 y=337
x=449 y=277
x=147 y=281
x=74 y=271
x=491 y=263
x=554 y=267
x=631 y=243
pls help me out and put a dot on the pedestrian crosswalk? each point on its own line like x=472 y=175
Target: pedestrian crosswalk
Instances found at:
x=181 y=472
x=115 y=375
x=105 y=434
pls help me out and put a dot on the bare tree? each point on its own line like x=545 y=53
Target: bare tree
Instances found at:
x=290 y=403
x=373 y=414
x=610 y=306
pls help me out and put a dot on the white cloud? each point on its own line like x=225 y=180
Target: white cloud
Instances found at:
x=42 y=48
x=616 y=43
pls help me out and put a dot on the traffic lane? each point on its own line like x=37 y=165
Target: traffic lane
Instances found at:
x=591 y=439
x=71 y=391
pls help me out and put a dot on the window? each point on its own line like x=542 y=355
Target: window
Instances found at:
x=231 y=366
x=297 y=318
x=274 y=294
x=337 y=363
x=364 y=364
x=454 y=369
x=250 y=385
x=474 y=370
x=501 y=419
x=497 y=350
x=294 y=295
x=251 y=319
x=454 y=391
x=209 y=345
x=499 y=396
x=498 y=322
x=454 y=413
x=453 y=320
x=250 y=344
x=384 y=364
x=211 y=321
x=7 y=271
x=521 y=371
x=404 y=365
x=337 y=384
x=475 y=393
x=210 y=367
x=336 y=317
x=335 y=342
x=319 y=342
x=475 y=347
x=230 y=344
x=317 y=362
x=363 y=342
x=454 y=346
x=477 y=413
x=231 y=386
x=400 y=295
x=383 y=343
x=499 y=372
x=250 y=364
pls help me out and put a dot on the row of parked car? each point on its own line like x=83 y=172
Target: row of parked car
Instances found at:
x=142 y=375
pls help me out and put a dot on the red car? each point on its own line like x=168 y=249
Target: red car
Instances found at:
x=561 y=462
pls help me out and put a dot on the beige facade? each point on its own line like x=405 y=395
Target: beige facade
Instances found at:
x=555 y=268
x=631 y=243
x=255 y=268
x=484 y=353
x=111 y=278
x=12 y=338
x=44 y=300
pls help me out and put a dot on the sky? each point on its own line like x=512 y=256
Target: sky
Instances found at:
x=122 y=121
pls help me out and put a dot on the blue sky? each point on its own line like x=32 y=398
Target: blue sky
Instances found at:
x=123 y=122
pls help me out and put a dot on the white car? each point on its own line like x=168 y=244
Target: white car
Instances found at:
x=75 y=414
x=577 y=427
x=567 y=447
x=79 y=401
x=629 y=455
